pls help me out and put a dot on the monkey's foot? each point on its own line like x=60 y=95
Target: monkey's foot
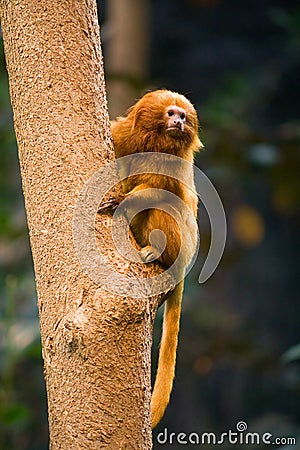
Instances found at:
x=109 y=205
x=149 y=254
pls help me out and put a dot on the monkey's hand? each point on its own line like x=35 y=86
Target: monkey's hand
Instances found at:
x=109 y=205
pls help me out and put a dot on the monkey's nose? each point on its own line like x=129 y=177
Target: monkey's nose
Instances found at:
x=177 y=122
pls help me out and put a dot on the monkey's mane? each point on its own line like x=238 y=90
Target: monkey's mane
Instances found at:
x=144 y=127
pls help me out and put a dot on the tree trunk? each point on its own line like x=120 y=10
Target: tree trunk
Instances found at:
x=96 y=345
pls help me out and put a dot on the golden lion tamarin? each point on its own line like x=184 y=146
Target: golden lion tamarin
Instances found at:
x=165 y=122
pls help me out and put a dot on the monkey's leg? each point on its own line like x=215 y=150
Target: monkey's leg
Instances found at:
x=165 y=243
x=160 y=238
x=139 y=223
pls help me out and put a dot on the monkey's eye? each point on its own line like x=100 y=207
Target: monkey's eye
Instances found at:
x=170 y=113
x=182 y=116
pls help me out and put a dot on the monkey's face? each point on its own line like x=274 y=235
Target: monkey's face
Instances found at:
x=178 y=123
x=164 y=121
x=175 y=119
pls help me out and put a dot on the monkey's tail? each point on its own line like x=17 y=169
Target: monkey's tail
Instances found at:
x=167 y=356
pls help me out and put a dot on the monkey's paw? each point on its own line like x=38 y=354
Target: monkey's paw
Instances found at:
x=149 y=254
x=109 y=206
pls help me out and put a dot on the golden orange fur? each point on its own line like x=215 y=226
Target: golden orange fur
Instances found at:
x=166 y=122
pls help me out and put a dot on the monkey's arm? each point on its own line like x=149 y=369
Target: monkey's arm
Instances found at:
x=110 y=204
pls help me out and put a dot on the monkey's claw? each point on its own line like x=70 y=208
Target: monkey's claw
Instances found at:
x=149 y=254
x=108 y=206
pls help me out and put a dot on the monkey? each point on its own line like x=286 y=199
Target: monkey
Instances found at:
x=166 y=122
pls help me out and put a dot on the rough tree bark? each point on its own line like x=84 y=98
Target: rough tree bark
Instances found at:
x=96 y=346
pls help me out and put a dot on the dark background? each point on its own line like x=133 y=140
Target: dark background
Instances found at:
x=238 y=354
